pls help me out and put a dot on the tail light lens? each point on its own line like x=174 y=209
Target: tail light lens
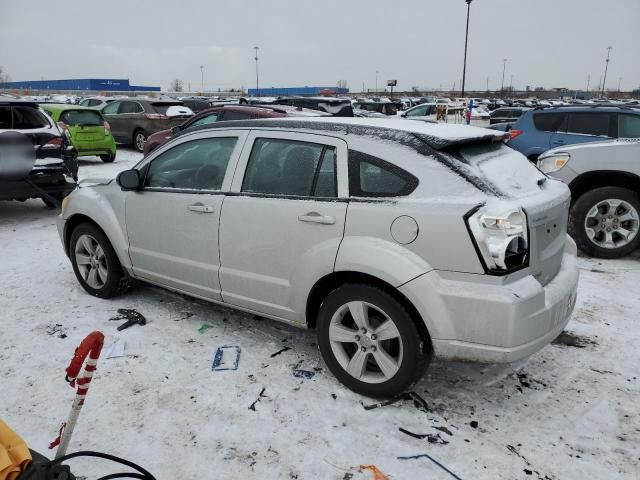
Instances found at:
x=514 y=133
x=107 y=128
x=501 y=240
x=55 y=142
x=156 y=116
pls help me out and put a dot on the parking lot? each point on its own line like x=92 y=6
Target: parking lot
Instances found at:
x=568 y=412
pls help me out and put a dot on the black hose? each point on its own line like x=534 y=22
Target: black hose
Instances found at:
x=88 y=453
x=123 y=475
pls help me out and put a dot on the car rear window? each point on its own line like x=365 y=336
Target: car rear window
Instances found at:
x=162 y=107
x=5 y=117
x=81 y=117
x=549 y=122
x=28 y=118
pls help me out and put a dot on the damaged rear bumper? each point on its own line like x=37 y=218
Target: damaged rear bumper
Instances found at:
x=496 y=323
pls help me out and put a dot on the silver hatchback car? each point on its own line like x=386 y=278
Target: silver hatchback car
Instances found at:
x=396 y=241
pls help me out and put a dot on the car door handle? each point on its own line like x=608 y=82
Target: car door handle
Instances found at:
x=315 y=217
x=201 y=208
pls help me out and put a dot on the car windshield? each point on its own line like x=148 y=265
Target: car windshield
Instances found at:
x=81 y=117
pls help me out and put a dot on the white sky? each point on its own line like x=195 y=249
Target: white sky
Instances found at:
x=552 y=43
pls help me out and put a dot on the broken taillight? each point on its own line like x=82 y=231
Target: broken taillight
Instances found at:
x=514 y=133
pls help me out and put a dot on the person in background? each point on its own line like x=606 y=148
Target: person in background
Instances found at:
x=469 y=110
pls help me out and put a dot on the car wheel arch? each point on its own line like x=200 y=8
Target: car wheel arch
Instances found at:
x=77 y=219
x=334 y=280
x=603 y=178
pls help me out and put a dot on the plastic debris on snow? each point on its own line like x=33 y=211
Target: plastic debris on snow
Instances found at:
x=261 y=395
x=227 y=357
x=306 y=374
x=204 y=328
x=115 y=350
x=132 y=317
x=426 y=455
x=377 y=474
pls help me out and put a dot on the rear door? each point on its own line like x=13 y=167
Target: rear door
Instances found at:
x=130 y=117
x=283 y=221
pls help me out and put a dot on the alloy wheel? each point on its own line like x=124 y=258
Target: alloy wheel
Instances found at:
x=612 y=223
x=366 y=342
x=91 y=261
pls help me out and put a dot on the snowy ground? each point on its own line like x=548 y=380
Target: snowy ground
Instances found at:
x=566 y=413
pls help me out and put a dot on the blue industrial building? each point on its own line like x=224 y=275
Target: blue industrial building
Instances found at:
x=80 y=84
x=294 y=91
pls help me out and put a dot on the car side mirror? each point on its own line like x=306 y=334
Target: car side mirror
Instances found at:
x=175 y=130
x=129 y=180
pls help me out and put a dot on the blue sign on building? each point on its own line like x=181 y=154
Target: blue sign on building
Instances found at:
x=87 y=84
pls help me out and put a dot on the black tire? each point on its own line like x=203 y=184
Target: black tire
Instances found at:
x=108 y=157
x=578 y=215
x=116 y=280
x=139 y=139
x=416 y=350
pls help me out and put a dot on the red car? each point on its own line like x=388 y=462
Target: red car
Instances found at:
x=229 y=112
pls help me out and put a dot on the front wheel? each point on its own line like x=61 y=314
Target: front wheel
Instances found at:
x=139 y=138
x=605 y=222
x=370 y=342
x=95 y=263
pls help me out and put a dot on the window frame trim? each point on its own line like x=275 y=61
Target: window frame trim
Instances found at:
x=143 y=165
x=342 y=193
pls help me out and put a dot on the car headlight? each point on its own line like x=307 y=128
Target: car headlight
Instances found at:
x=501 y=239
x=554 y=162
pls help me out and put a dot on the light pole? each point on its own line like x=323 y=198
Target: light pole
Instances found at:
x=257 y=78
x=202 y=77
x=466 y=40
x=619 y=83
x=376 y=82
x=588 y=82
x=606 y=66
x=511 y=84
x=504 y=67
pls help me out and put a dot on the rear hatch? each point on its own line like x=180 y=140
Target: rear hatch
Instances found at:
x=516 y=182
x=174 y=113
x=84 y=125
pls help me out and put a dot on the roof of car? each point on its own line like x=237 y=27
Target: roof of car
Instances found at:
x=61 y=107
x=438 y=136
x=5 y=100
x=587 y=107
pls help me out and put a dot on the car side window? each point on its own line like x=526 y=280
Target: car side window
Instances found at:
x=589 y=123
x=196 y=165
x=111 y=108
x=417 y=112
x=371 y=176
x=211 y=118
x=230 y=115
x=130 y=107
x=288 y=167
x=629 y=126
x=5 y=117
x=549 y=121
x=28 y=118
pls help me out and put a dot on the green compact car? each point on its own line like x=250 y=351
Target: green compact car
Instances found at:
x=89 y=131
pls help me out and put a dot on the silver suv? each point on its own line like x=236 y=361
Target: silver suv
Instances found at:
x=395 y=241
x=604 y=179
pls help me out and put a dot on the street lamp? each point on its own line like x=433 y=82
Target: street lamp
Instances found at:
x=504 y=67
x=257 y=83
x=466 y=40
x=202 y=77
x=376 y=82
x=606 y=66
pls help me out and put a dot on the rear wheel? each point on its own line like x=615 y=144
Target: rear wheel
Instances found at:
x=108 y=157
x=605 y=222
x=370 y=342
x=139 y=138
x=95 y=263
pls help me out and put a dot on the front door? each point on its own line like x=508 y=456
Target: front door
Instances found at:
x=172 y=223
x=110 y=114
x=283 y=222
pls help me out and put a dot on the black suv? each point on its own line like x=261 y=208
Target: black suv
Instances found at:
x=37 y=160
